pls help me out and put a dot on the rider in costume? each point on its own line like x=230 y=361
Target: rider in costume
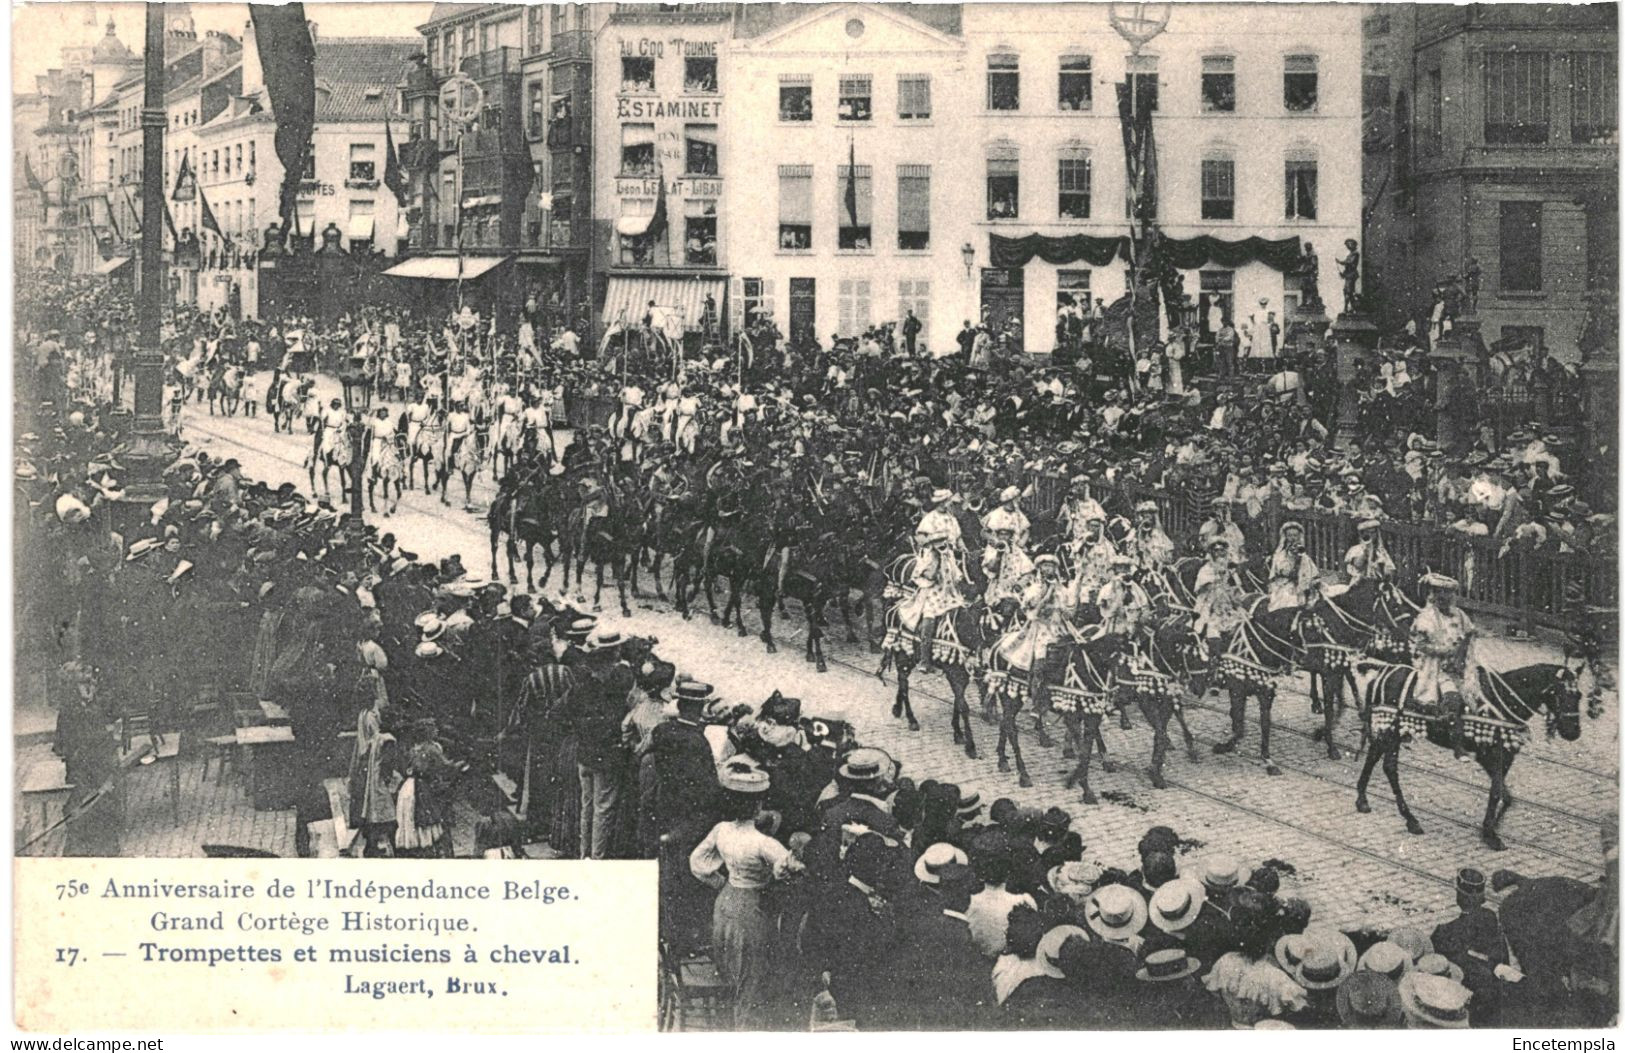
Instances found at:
x=1044 y=604
x=1219 y=609
x=459 y=428
x=1294 y=579
x=1122 y=600
x=1009 y=517
x=1221 y=527
x=1368 y=558
x=1079 y=509
x=1148 y=547
x=1006 y=565
x=1442 y=637
x=937 y=580
x=1093 y=557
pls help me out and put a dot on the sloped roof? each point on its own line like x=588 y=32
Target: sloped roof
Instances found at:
x=757 y=19
x=347 y=67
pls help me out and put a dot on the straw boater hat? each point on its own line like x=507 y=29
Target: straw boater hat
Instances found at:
x=1008 y=494
x=941 y=496
x=1049 y=948
x=1075 y=880
x=1414 y=942
x=1175 y=904
x=1116 y=912
x=1220 y=872
x=1433 y=1001
x=1166 y=965
x=1387 y=958
x=1369 y=1000
x=929 y=866
x=865 y=764
x=1438 y=965
x=1319 y=958
x=742 y=776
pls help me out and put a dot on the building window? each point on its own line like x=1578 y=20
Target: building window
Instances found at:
x=854 y=102
x=854 y=306
x=1515 y=96
x=1219 y=188
x=795 y=207
x=251 y=157
x=1301 y=83
x=1529 y=336
x=913 y=97
x=485 y=37
x=535 y=39
x=700 y=149
x=1593 y=98
x=226 y=167
x=1434 y=102
x=915 y=296
x=468 y=44
x=756 y=300
x=1520 y=246
x=1003 y=81
x=360 y=233
x=854 y=206
x=363 y=168
x=214 y=163
x=564 y=171
x=238 y=150
x=1217 y=303
x=1143 y=83
x=1302 y=188
x=1219 y=84
x=795 y=97
x=637 y=74
x=913 y=207
x=449 y=46
x=1072 y=292
x=637 y=249
x=536 y=110
x=1074 y=178
x=700 y=75
x=700 y=233
x=637 y=149
x=309 y=174
x=1003 y=183
x=1076 y=90
x=563 y=209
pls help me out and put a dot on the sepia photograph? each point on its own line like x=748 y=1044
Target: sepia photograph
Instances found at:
x=878 y=517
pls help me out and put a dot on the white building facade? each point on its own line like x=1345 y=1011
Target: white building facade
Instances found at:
x=845 y=123
x=1257 y=125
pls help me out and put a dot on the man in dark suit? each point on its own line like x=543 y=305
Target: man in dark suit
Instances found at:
x=851 y=930
x=686 y=795
x=934 y=978
x=1474 y=942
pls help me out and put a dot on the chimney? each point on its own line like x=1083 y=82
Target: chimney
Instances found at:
x=253 y=73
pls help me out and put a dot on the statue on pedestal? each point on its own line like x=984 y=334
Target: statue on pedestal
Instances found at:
x=1474 y=275
x=1309 y=281
x=1348 y=268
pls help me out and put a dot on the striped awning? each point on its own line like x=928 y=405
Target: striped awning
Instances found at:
x=443 y=268
x=680 y=302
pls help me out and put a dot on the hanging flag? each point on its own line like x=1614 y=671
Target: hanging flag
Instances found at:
x=657 y=222
x=169 y=221
x=185 y=181
x=851 y=182
x=135 y=212
x=207 y=220
x=33 y=180
x=288 y=64
x=394 y=177
x=112 y=216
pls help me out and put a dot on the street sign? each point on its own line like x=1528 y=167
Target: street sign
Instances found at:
x=461 y=99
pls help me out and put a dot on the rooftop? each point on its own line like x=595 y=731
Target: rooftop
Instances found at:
x=756 y=19
x=348 y=67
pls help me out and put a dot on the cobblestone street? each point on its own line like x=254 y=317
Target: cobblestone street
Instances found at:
x=1352 y=868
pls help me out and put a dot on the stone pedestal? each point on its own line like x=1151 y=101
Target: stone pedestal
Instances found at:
x=1455 y=361
x=1354 y=338
x=1599 y=472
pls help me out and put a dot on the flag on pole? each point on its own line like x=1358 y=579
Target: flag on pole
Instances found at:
x=169 y=221
x=33 y=180
x=207 y=220
x=185 y=181
x=851 y=182
x=288 y=64
x=112 y=216
x=657 y=222
x=135 y=212
x=394 y=177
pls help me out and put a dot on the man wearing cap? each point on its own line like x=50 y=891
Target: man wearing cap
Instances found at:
x=934 y=978
x=1442 y=639
x=1078 y=511
x=1005 y=565
x=1122 y=600
x=1092 y=558
x=1368 y=558
x=1474 y=943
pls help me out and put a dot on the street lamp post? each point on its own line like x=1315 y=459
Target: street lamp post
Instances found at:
x=357 y=400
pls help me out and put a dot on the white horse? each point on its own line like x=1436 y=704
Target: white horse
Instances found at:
x=331 y=449
x=386 y=468
x=428 y=449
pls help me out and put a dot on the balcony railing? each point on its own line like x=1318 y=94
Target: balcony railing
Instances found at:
x=493 y=63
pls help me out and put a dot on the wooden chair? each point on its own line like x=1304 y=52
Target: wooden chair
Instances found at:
x=693 y=996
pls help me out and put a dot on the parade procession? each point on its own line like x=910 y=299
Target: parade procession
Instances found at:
x=1190 y=602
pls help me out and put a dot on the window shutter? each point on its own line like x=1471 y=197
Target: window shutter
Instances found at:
x=914 y=198
x=795 y=194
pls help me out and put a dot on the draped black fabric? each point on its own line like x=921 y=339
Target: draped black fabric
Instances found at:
x=288 y=64
x=1186 y=254
x=1071 y=248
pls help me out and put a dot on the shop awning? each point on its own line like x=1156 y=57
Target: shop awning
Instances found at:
x=109 y=266
x=444 y=268
x=681 y=301
x=632 y=226
x=487 y=201
x=360 y=227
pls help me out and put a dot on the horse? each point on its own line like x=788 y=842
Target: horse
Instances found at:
x=1160 y=662
x=1261 y=650
x=677 y=532
x=1338 y=630
x=427 y=448
x=386 y=468
x=330 y=450
x=527 y=516
x=467 y=462
x=1084 y=694
x=226 y=386
x=738 y=553
x=611 y=540
x=509 y=445
x=1495 y=732
x=807 y=581
x=957 y=646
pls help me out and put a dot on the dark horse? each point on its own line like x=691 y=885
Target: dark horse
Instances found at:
x=526 y=513
x=610 y=541
x=1084 y=695
x=1495 y=733
x=957 y=648
x=1163 y=661
x=1263 y=649
x=813 y=579
x=1372 y=619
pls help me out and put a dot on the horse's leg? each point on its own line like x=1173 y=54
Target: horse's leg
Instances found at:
x=710 y=598
x=1156 y=712
x=1012 y=706
x=1315 y=703
x=1266 y=701
x=1379 y=745
x=372 y=506
x=1005 y=729
x=1097 y=738
x=1178 y=712
x=621 y=574
x=1390 y=768
x=958 y=680
x=1089 y=725
x=598 y=586
x=1490 y=761
x=1332 y=694
x=845 y=602
x=1238 y=720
